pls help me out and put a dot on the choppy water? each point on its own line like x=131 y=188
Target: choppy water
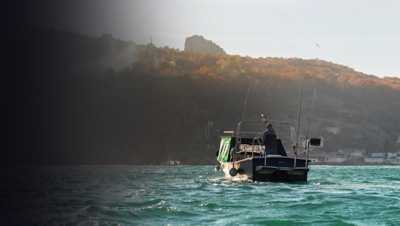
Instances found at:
x=190 y=195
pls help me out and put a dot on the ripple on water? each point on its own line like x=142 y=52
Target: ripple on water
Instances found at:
x=147 y=195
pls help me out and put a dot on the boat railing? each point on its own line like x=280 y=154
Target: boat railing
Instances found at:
x=244 y=134
x=251 y=134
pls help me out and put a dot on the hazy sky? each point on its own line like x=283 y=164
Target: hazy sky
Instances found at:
x=361 y=34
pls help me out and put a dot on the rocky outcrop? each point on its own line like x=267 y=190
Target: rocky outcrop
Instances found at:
x=199 y=43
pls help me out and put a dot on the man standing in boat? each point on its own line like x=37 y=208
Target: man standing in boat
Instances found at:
x=269 y=140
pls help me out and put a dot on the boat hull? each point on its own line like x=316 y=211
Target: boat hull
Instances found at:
x=271 y=168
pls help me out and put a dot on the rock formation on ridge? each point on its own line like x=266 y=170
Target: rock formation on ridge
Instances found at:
x=199 y=43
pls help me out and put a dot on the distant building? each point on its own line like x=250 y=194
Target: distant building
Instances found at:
x=378 y=155
x=356 y=156
x=392 y=155
x=395 y=161
x=351 y=153
x=375 y=160
x=335 y=159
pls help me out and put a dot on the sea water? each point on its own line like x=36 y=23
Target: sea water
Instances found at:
x=191 y=195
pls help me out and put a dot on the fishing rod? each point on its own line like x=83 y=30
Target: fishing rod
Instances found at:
x=298 y=121
x=245 y=102
x=297 y=134
x=311 y=113
x=233 y=171
x=243 y=109
x=309 y=122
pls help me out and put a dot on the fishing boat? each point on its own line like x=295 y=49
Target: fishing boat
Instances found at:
x=261 y=155
x=242 y=155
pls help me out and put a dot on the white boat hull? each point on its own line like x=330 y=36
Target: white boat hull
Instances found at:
x=271 y=168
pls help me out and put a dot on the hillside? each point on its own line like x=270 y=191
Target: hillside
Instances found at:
x=74 y=99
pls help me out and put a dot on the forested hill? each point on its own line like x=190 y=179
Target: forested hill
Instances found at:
x=73 y=99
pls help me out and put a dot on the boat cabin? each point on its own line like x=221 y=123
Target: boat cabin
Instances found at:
x=247 y=148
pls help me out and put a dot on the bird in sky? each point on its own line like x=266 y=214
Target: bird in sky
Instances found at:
x=317 y=45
